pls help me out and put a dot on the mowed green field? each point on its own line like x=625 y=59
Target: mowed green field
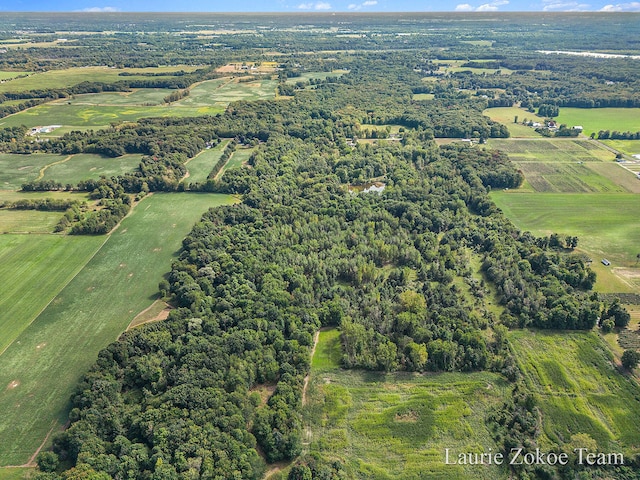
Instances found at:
x=579 y=390
x=506 y=116
x=220 y=92
x=596 y=119
x=628 y=147
x=5 y=75
x=139 y=97
x=398 y=425
x=28 y=221
x=239 y=158
x=16 y=473
x=33 y=270
x=75 y=168
x=18 y=169
x=99 y=116
x=606 y=224
x=200 y=166
x=90 y=312
x=73 y=76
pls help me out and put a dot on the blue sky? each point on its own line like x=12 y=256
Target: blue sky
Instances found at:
x=320 y=5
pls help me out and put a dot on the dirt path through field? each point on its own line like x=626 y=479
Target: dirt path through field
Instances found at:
x=316 y=337
x=44 y=169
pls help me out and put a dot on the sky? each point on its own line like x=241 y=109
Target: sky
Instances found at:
x=320 y=5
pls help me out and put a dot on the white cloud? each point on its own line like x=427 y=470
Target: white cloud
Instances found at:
x=566 y=7
x=322 y=6
x=622 y=7
x=485 y=7
x=367 y=3
x=100 y=9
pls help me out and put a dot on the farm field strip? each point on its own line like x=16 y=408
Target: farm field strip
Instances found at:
x=200 y=166
x=398 y=425
x=28 y=221
x=18 y=169
x=33 y=270
x=73 y=76
x=89 y=313
x=579 y=389
x=237 y=159
x=595 y=119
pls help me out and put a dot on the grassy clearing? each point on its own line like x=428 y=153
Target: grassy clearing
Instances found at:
x=12 y=195
x=579 y=389
x=606 y=224
x=137 y=97
x=506 y=115
x=84 y=166
x=327 y=355
x=596 y=119
x=220 y=92
x=629 y=147
x=200 y=166
x=98 y=116
x=316 y=76
x=34 y=269
x=28 y=221
x=73 y=76
x=398 y=426
x=6 y=75
x=91 y=311
x=16 y=473
x=18 y=169
x=237 y=160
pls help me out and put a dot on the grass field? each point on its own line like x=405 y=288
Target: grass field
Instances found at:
x=90 y=312
x=6 y=75
x=99 y=116
x=628 y=147
x=220 y=92
x=33 y=270
x=16 y=473
x=506 y=115
x=316 y=76
x=73 y=76
x=606 y=224
x=398 y=425
x=596 y=119
x=239 y=158
x=76 y=168
x=139 y=97
x=579 y=389
x=200 y=166
x=18 y=169
x=28 y=221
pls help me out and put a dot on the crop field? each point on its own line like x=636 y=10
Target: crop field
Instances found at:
x=596 y=119
x=200 y=166
x=75 y=168
x=398 y=425
x=606 y=225
x=18 y=169
x=16 y=473
x=33 y=269
x=73 y=76
x=92 y=310
x=579 y=389
x=221 y=92
x=567 y=166
x=140 y=97
x=98 y=116
x=506 y=115
x=28 y=221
